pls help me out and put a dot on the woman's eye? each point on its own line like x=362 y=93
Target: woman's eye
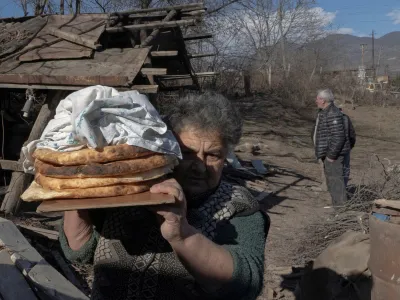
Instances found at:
x=213 y=157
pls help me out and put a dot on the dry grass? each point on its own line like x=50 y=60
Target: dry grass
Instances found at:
x=354 y=215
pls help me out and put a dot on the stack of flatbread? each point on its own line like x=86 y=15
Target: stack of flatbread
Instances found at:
x=88 y=173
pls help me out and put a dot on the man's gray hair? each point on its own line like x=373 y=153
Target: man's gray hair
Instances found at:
x=326 y=94
x=210 y=112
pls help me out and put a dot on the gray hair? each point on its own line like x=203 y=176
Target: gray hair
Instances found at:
x=209 y=111
x=326 y=94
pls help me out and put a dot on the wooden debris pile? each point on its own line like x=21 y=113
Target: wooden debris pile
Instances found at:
x=141 y=49
x=26 y=271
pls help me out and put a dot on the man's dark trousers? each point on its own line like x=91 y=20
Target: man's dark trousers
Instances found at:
x=335 y=180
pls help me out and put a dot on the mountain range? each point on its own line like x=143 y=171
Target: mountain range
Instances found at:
x=343 y=51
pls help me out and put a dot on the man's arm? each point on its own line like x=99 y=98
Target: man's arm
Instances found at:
x=337 y=136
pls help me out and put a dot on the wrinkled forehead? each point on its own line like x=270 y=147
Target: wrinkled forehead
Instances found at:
x=198 y=140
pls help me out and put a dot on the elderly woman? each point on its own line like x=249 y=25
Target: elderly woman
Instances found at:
x=210 y=245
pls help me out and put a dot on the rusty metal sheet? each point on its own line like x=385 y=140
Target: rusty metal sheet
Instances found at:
x=64 y=49
x=384 y=260
x=112 y=67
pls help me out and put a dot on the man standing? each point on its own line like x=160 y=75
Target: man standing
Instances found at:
x=331 y=145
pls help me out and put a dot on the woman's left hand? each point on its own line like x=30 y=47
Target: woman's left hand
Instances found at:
x=174 y=227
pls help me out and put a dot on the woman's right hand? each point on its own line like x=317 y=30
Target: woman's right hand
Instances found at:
x=78 y=228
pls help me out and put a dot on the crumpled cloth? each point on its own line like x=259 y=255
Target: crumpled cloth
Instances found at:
x=99 y=116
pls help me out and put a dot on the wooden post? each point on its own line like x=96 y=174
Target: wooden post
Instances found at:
x=61 y=7
x=19 y=180
x=270 y=75
x=247 y=83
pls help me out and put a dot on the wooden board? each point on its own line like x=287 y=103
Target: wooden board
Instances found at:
x=111 y=67
x=141 y=199
x=13 y=284
x=65 y=49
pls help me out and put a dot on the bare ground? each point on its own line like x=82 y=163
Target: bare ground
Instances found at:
x=282 y=134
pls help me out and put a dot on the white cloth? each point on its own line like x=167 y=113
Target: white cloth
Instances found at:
x=98 y=116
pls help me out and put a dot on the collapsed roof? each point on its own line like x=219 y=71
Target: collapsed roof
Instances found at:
x=138 y=49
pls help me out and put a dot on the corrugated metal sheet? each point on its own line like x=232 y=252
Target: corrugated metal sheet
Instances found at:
x=64 y=49
x=112 y=67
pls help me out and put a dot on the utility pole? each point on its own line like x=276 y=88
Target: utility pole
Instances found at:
x=363 y=46
x=379 y=58
x=280 y=14
x=373 y=53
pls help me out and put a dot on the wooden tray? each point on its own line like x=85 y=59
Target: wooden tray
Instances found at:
x=141 y=199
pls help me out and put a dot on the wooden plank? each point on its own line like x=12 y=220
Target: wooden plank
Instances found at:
x=164 y=53
x=68 y=273
x=67 y=80
x=141 y=199
x=41 y=232
x=156 y=32
x=197 y=37
x=16 y=243
x=74 y=38
x=11 y=165
x=38 y=43
x=187 y=76
x=49 y=87
x=111 y=67
x=81 y=25
x=45 y=278
x=388 y=203
x=12 y=283
x=153 y=71
x=154 y=25
x=192 y=6
x=199 y=55
x=146 y=89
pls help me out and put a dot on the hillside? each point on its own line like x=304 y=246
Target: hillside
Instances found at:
x=344 y=51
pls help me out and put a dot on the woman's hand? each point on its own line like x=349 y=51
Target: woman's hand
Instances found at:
x=77 y=228
x=174 y=227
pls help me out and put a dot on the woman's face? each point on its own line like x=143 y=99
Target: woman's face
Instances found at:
x=203 y=160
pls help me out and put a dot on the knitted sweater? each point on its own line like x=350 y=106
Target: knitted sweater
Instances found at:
x=121 y=273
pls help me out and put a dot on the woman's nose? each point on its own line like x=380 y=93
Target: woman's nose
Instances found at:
x=199 y=165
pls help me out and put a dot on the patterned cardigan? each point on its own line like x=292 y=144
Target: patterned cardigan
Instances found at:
x=133 y=261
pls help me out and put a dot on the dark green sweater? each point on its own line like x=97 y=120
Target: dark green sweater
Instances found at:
x=244 y=237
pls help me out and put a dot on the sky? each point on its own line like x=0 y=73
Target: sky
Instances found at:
x=356 y=17
x=360 y=17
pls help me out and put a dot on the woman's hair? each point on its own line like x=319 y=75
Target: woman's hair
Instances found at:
x=210 y=112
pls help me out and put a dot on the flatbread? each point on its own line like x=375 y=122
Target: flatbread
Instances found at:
x=37 y=193
x=84 y=183
x=86 y=156
x=117 y=168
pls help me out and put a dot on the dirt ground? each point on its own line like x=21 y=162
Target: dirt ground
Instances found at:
x=282 y=134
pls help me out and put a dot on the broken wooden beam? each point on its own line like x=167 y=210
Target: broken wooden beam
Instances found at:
x=154 y=25
x=198 y=55
x=41 y=275
x=187 y=7
x=145 y=89
x=188 y=76
x=164 y=53
x=197 y=37
x=11 y=165
x=74 y=38
x=153 y=71
x=41 y=232
x=156 y=32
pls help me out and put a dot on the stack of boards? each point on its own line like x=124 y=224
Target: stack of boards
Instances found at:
x=115 y=176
